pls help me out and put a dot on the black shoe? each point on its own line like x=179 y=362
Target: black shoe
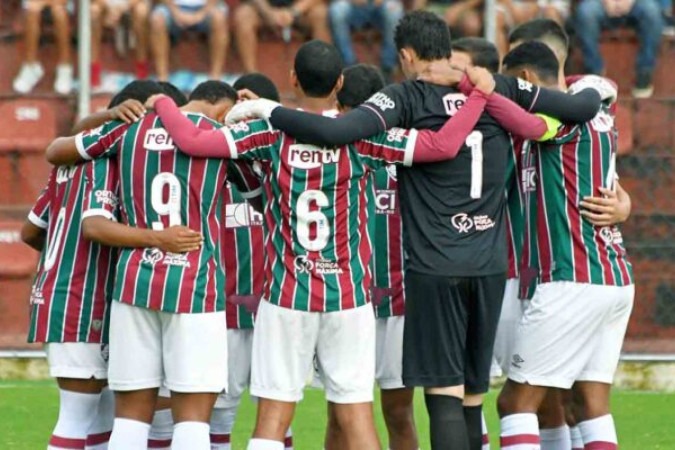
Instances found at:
x=644 y=88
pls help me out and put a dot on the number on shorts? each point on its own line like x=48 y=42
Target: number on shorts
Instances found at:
x=475 y=142
x=55 y=242
x=307 y=217
x=170 y=207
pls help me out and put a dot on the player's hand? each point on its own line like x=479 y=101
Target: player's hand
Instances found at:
x=246 y=94
x=253 y=109
x=150 y=102
x=442 y=72
x=481 y=79
x=604 y=86
x=179 y=239
x=128 y=111
x=604 y=211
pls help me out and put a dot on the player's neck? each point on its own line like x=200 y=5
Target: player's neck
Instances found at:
x=316 y=104
x=197 y=107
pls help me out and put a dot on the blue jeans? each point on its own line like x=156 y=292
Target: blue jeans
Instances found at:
x=645 y=17
x=343 y=16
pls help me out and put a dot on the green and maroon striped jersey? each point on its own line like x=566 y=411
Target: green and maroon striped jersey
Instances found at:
x=73 y=285
x=160 y=187
x=515 y=207
x=316 y=213
x=244 y=259
x=387 y=260
x=581 y=159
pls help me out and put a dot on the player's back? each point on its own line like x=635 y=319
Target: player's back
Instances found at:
x=162 y=187
x=74 y=277
x=575 y=164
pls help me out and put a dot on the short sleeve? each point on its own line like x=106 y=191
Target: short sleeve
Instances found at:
x=39 y=214
x=102 y=189
x=251 y=140
x=388 y=105
x=100 y=141
x=395 y=146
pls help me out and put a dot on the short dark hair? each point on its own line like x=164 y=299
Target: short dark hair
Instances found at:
x=318 y=66
x=139 y=90
x=213 y=91
x=535 y=56
x=172 y=91
x=483 y=52
x=425 y=33
x=361 y=82
x=259 y=84
x=542 y=30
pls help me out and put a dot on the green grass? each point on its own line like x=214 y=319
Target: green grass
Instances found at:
x=28 y=411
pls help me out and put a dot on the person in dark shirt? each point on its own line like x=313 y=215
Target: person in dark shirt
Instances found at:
x=453 y=220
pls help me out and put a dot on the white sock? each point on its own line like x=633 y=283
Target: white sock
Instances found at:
x=222 y=422
x=599 y=433
x=555 y=438
x=486 y=437
x=264 y=444
x=288 y=441
x=100 y=430
x=129 y=434
x=520 y=432
x=76 y=413
x=191 y=436
x=161 y=430
x=577 y=441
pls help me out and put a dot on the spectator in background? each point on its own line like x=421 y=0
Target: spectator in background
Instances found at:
x=644 y=15
x=280 y=15
x=108 y=13
x=345 y=15
x=31 y=70
x=171 y=17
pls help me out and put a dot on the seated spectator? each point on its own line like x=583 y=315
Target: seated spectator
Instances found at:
x=108 y=14
x=171 y=17
x=644 y=15
x=279 y=15
x=345 y=15
x=31 y=70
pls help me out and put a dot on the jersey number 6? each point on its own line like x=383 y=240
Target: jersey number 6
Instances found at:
x=307 y=217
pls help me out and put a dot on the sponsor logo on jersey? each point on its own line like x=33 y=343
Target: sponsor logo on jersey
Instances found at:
x=36 y=297
x=610 y=235
x=176 y=259
x=396 y=135
x=524 y=85
x=453 y=102
x=106 y=198
x=385 y=201
x=303 y=156
x=382 y=101
x=239 y=215
x=529 y=179
x=603 y=122
x=157 y=139
x=152 y=256
x=239 y=127
x=463 y=223
x=303 y=264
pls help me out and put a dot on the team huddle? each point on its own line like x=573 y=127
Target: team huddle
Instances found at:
x=416 y=235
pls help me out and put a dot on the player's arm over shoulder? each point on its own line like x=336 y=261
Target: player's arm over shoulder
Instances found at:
x=34 y=229
x=86 y=145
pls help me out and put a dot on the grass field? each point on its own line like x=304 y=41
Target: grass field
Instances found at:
x=28 y=410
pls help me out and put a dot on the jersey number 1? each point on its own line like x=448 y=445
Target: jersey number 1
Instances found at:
x=475 y=142
x=170 y=207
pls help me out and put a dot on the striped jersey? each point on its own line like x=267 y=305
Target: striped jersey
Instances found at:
x=70 y=294
x=244 y=259
x=579 y=160
x=515 y=208
x=316 y=213
x=162 y=187
x=387 y=260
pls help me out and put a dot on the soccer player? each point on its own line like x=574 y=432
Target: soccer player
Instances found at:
x=585 y=289
x=316 y=294
x=71 y=294
x=258 y=84
x=167 y=315
x=454 y=286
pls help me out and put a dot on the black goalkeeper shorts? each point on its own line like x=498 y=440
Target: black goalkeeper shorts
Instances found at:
x=450 y=327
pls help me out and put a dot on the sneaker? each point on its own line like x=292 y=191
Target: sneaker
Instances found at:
x=29 y=76
x=644 y=88
x=668 y=25
x=64 y=79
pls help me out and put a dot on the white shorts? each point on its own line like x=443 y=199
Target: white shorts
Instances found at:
x=185 y=352
x=285 y=342
x=239 y=348
x=512 y=311
x=389 y=352
x=78 y=360
x=571 y=332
